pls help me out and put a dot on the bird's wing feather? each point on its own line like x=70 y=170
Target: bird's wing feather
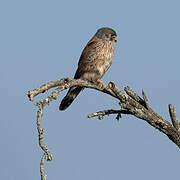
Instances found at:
x=87 y=58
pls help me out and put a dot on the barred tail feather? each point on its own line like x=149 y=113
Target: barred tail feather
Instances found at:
x=69 y=98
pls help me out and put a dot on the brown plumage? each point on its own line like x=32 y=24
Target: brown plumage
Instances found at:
x=95 y=60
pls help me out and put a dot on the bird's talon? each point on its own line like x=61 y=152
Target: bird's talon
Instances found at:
x=100 y=82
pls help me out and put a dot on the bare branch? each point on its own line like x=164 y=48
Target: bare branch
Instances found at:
x=101 y=114
x=148 y=115
x=130 y=104
x=67 y=83
x=134 y=96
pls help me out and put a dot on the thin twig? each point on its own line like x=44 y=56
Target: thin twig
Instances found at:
x=42 y=170
x=41 y=132
x=101 y=114
x=47 y=154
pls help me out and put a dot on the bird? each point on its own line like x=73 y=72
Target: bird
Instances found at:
x=95 y=60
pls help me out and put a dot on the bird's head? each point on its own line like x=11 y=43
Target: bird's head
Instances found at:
x=106 y=33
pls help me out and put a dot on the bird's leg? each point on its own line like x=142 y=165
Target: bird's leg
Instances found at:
x=100 y=82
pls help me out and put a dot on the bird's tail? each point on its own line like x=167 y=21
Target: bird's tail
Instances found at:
x=69 y=98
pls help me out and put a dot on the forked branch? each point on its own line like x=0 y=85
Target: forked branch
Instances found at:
x=130 y=104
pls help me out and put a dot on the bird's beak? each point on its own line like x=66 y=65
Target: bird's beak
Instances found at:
x=114 y=38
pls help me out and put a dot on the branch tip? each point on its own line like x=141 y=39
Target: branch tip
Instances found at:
x=49 y=157
x=29 y=96
x=111 y=85
x=173 y=116
x=145 y=99
x=42 y=170
x=132 y=94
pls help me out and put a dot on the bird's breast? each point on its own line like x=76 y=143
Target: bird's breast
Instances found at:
x=95 y=61
x=105 y=58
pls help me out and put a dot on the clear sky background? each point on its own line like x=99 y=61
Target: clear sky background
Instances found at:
x=41 y=41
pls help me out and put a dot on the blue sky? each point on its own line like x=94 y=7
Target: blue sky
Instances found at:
x=41 y=41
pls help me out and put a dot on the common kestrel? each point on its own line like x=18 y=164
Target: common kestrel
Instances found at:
x=95 y=60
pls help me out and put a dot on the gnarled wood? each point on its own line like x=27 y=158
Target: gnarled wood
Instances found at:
x=130 y=104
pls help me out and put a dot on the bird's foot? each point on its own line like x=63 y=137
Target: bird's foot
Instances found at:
x=100 y=83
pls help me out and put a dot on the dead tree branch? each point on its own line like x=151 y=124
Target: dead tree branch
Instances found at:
x=130 y=104
x=101 y=114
